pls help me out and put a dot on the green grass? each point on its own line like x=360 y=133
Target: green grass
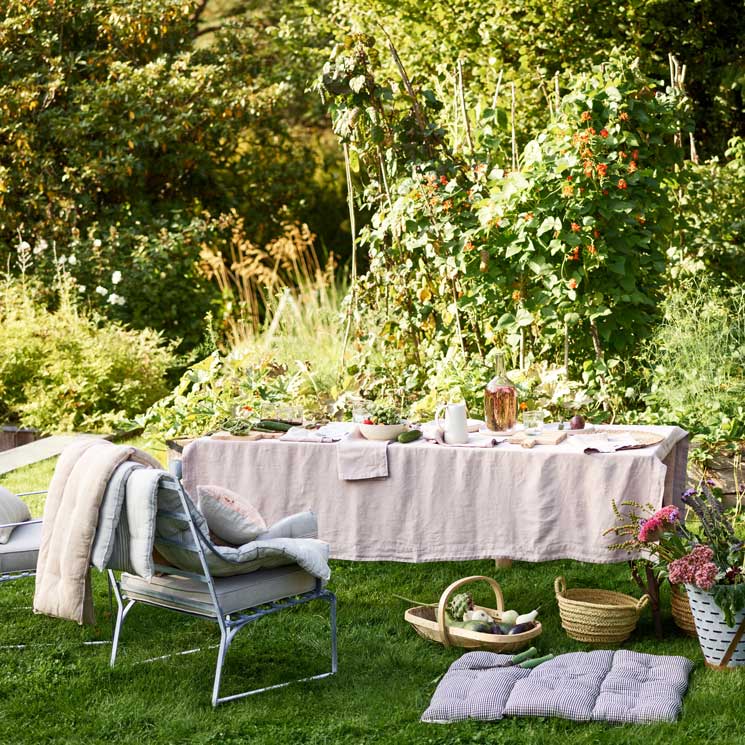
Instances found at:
x=60 y=691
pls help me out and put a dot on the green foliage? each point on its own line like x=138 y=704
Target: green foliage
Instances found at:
x=69 y=370
x=295 y=359
x=696 y=363
x=710 y=236
x=530 y=41
x=466 y=251
x=118 y=126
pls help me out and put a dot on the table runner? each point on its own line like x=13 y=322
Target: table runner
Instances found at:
x=450 y=504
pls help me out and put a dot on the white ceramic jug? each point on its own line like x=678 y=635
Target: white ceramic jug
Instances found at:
x=455 y=424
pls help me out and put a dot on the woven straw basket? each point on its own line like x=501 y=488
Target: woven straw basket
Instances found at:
x=682 y=610
x=597 y=616
x=429 y=622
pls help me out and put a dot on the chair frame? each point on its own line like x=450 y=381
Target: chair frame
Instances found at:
x=229 y=623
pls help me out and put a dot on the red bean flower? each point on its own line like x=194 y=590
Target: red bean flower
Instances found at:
x=572 y=284
x=622 y=184
x=575 y=228
x=603 y=132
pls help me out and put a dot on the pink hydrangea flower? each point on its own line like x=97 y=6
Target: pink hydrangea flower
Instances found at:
x=652 y=529
x=695 y=568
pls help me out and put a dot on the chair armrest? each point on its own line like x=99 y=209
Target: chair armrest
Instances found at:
x=25 y=522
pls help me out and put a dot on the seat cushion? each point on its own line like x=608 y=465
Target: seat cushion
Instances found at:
x=12 y=510
x=234 y=593
x=20 y=553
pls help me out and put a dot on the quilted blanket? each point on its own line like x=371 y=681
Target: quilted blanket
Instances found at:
x=612 y=686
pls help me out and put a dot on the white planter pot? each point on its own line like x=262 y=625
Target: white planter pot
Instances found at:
x=713 y=633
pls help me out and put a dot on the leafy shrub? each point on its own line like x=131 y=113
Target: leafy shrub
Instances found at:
x=696 y=363
x=124 y=123
x=69 y=370
x=710 y=236
x=560 y=251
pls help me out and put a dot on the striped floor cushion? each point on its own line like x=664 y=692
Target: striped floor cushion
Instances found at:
x=611 y=686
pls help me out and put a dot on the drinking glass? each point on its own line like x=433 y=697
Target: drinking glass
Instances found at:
x=533 y=422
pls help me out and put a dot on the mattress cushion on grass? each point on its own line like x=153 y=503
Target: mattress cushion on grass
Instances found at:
x=612 y=686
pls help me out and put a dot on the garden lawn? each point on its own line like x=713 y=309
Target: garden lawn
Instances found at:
x=58 y=691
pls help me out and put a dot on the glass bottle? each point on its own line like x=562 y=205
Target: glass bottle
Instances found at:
x=500 y=400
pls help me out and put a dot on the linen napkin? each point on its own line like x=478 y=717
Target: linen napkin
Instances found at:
x=331 y=432
x=601 y=443
x=358 y=458
x=433 y=433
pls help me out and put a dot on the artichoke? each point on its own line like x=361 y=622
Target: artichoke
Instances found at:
x=459 y=604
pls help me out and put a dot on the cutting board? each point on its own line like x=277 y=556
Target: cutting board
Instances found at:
x=551 y=437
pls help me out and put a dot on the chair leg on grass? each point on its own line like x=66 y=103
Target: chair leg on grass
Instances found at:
x=226 y=637
x=121 y=614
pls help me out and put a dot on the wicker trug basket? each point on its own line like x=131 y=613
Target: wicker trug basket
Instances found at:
x=597 y=616
x=429 y=622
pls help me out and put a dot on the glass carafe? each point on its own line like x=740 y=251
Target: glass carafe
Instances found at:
x=500 y=400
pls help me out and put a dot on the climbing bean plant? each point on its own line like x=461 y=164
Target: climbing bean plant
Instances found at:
x=555 y=250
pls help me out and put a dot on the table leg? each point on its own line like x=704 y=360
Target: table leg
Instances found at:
x=503 y=563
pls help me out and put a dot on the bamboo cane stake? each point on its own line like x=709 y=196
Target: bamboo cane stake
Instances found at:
x=496 y=91
x=467 y=121
x=514 y=135
x=352 y=308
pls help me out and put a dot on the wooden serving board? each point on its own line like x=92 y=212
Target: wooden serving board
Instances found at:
x=251 y=437
x=553 y=437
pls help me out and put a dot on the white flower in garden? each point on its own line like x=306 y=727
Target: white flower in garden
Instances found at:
x=41 y=246
x=23 y=246
x=116 y=277
x=115 y=299
x=62 y=259
x=72 y=260
x=101 y=290
x=81 y=288
x=97 y=243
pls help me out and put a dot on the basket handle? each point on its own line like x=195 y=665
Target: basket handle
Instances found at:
x=560 y=586
x=451 y=589
x=643 y=600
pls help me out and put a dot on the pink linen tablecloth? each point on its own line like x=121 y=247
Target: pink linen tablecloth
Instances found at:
x=444 y=504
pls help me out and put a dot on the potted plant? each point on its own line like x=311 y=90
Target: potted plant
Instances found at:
x=706 y=557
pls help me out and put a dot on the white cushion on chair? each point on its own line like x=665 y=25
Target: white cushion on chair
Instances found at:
x=12 y=510
x=20 y=553
x=234 y=593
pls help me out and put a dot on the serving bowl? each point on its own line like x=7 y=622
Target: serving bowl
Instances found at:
x=382 y=431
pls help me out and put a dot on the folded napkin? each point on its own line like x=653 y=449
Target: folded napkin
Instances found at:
x=430 y=431
x=331 y=432
x=358 y=458
x=602 y=443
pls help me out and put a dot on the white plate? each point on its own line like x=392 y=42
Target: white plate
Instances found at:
x=382 y=431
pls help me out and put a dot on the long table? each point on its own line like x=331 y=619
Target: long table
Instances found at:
x=443 y=503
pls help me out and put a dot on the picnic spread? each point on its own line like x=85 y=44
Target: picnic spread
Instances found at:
x=430 y=501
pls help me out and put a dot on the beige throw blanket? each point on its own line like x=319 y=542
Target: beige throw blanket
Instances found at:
x=69 y=527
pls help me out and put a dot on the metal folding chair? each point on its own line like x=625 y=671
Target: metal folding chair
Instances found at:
x=231 y=602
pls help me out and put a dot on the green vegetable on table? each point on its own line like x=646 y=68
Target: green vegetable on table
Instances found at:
x=409 y=436
x=272 y=425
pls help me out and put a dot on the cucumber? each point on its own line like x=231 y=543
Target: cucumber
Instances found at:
x=409 y=436
x=528 y=664
x=523 y=656
x=273 y=425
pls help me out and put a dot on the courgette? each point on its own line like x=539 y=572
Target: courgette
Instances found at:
x=409 y=436
x=528 y=664
x=272 y=425
x=523 y=656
